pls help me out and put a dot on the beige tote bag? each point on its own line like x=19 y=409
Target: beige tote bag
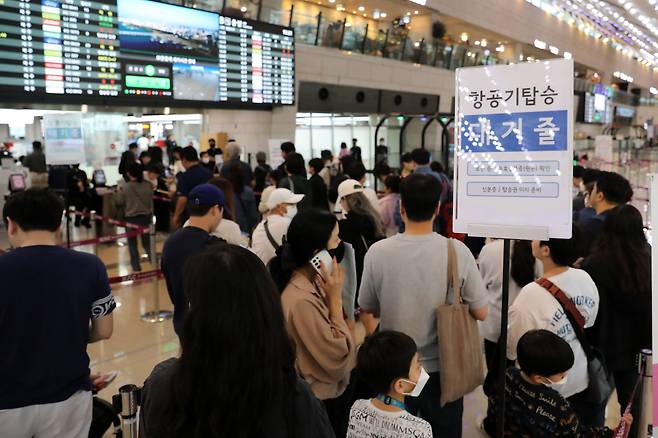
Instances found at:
x=460 y=350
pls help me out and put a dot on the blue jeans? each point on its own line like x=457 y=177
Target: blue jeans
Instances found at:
x=143 y=220
x=446 y=421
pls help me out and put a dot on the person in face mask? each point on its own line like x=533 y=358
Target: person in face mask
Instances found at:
x=268 y=235
x=311 y=284
x=533 y=405
x=206 y=162
x=388 y=362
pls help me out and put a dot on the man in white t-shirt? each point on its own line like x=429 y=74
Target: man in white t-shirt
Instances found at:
x=268 y=235
x=536 y=308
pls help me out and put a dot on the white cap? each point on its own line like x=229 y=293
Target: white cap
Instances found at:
x=349 y=187
x=262 y=206
x=282 y=196
x=346 y=188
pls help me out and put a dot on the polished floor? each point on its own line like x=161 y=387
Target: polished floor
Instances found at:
x=136 y=345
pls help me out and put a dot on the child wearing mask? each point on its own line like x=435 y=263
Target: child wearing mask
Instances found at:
x=388 y=362
x=534 y=407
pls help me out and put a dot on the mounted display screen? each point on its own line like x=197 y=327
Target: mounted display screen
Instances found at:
x=115 y=50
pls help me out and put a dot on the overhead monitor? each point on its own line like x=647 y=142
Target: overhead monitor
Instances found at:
x=114 y=51
x=597 y=109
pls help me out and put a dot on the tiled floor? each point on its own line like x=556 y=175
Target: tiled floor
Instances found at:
x=136 y=346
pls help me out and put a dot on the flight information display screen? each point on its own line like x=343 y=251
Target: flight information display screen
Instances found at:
x=117 y=50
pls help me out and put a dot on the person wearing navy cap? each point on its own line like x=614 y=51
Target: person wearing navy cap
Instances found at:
x=205 y=206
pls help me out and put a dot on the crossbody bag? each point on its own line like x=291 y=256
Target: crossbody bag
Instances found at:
x=601 y=382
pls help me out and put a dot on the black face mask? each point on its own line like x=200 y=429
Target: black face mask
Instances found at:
x=338 y=252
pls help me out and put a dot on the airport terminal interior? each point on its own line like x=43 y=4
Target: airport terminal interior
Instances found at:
x=508 y=121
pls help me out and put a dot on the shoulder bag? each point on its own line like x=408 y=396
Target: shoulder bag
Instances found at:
x=271 y=238
x=460 y=347
x=601 y=382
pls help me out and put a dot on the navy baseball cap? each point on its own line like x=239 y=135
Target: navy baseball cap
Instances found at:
x=207 y=194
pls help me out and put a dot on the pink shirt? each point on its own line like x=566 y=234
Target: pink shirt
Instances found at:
x=387 y=206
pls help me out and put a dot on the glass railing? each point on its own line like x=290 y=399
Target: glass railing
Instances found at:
x=357 y=36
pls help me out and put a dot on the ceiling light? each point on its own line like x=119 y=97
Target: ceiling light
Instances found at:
x=365 y=15
x=554 y=50
x=408 y=13
x=415 y=12
x=477 y=43
x=361 y=8
x=463 y=37
x=500 y=48
x=540 y=44
x=567 y=55
x=483 y=43
x=332 y=1
x=653 y=90
x=243 y=9
x=383 y=15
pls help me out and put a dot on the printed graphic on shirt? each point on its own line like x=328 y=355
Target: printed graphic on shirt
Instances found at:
x=366 y=421
x=103 y=307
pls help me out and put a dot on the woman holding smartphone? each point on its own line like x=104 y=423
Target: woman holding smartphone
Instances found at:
x=311 y=280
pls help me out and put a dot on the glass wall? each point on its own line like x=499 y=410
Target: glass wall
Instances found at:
x=317 y=131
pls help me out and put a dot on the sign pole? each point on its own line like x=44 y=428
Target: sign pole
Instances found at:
x=502 y=341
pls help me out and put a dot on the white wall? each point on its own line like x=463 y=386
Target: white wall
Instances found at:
x=521 y=21
x=331 y=66
x=252 y=129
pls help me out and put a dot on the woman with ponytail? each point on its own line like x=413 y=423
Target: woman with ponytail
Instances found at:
x=313 y=310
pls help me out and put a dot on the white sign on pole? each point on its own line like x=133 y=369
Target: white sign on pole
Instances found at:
x=274 y=146
x=514 y=150
x=64 y=140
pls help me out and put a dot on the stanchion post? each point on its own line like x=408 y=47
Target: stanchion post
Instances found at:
x=68 y=227
x=94 y=233
x=502 y=343
x=126 y=402
x=157 y=314
x=645 y=369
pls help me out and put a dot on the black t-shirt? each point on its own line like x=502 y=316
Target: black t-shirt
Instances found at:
x=591 y=230
x=180 y=246
x=535 y=411
x=48 y=295
x=260 y=176
x=192 y=177
x=308 y=417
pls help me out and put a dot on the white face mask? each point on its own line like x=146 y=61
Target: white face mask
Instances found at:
x=555 y=385
x=422 y=380
x=291 y=211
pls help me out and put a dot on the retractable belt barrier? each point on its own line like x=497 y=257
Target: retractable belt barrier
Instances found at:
x=137 y=277
x=157 y=314
x=137 y=230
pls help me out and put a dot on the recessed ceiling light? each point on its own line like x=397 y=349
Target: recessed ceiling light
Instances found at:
x=361 y=8
x=383 y=15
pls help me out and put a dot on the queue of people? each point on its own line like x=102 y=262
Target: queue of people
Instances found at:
x=295 y=230
x=266 y=294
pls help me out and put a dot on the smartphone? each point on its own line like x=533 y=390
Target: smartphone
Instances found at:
x=324 y=257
